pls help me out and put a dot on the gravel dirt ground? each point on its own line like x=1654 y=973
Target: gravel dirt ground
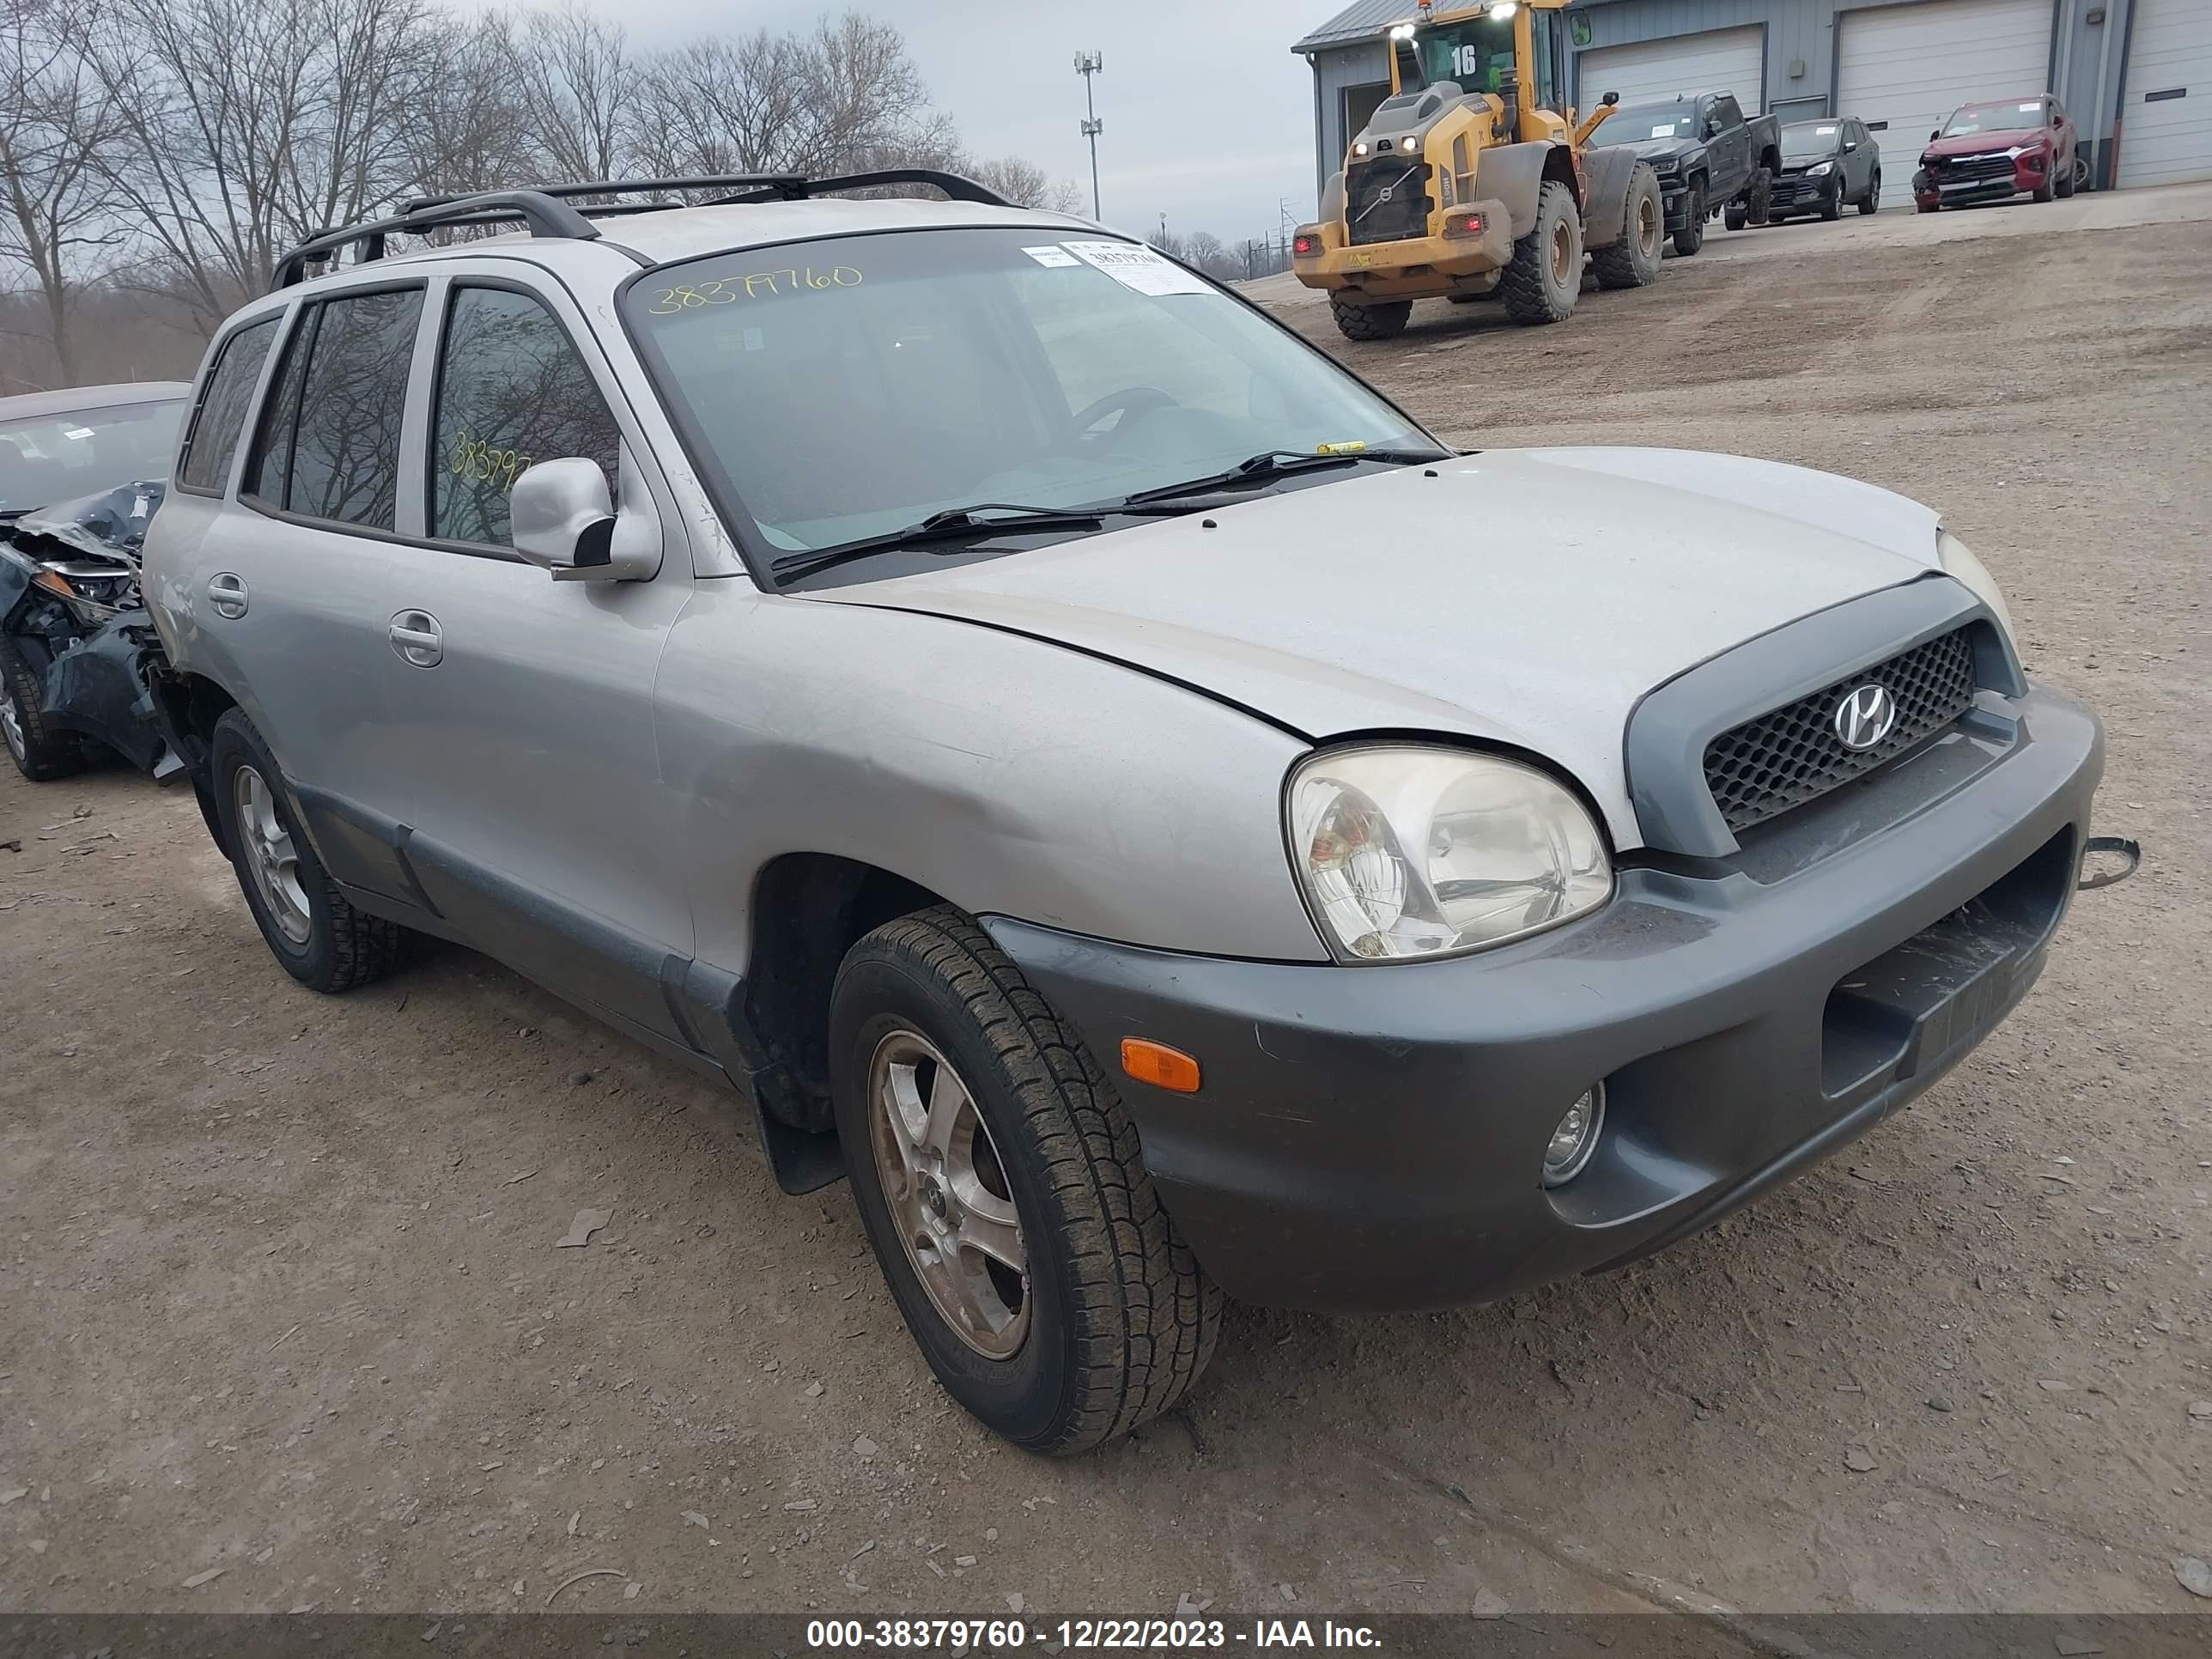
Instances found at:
x=284 y=1321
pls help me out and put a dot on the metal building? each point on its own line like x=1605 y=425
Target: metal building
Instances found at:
x=2136 y=75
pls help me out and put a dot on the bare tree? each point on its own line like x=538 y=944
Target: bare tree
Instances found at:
x=54 y=199
x=248 y=126
x=475 y=129
x=1024 y=183
x=843 y=96
x=1203 y=249
x=579 y=83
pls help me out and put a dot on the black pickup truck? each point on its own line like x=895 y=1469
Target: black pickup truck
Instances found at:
x=1709 y=155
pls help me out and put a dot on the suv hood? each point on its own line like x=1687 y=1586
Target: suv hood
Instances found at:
x=1528 y=597
x=1980 y=144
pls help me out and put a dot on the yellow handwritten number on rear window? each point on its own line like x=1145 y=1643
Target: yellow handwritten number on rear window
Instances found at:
x=728 y=290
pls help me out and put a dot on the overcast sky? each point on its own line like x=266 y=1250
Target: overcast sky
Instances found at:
x=1209 y=116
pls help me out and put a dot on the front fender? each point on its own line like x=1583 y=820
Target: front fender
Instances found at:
x=1608 y=171
x=1008 y=774
x=1513 y=173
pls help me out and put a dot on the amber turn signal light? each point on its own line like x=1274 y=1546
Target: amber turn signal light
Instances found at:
x=1160 y=1066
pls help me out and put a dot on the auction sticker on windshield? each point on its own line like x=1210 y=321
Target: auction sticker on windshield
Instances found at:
x=1136 y=266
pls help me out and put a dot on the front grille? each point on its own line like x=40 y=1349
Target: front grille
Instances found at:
x=1370 y=218
x=1956 y=169
x=1766 y=767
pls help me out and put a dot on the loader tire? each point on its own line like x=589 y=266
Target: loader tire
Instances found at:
x=1380 y=321
x=1546 y=277
x=1632 y=259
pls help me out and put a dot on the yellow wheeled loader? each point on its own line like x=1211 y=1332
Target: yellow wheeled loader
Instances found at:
x=1472 y=181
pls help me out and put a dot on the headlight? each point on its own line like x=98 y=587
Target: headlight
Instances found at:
x=1821 y=170
x=1409 y=851
x=1952 y=553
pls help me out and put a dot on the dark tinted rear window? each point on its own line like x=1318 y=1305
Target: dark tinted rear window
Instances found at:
x=213 y=441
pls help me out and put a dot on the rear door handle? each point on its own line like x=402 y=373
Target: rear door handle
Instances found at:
x=414 y=634
x=226 y=591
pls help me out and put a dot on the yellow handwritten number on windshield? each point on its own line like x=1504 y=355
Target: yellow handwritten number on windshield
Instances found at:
x=728 y=290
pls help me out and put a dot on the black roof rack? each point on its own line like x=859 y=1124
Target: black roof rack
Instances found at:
x=546 y=210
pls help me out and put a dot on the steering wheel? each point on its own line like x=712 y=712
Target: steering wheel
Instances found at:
x=1131 y=402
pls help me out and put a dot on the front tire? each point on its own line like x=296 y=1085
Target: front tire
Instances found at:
x=1632 y=260
x=308 y=924
x=1546 y=276
x=40 y=753
x=1000 y=1180
x=1692 y=236
x=1383 y=320
x=1831 y=205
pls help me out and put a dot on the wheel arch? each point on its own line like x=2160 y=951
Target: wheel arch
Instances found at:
x=809 y=910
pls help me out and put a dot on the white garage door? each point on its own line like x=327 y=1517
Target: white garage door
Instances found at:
x=1658 y=71
x=2166 y=120
x=1902 y=70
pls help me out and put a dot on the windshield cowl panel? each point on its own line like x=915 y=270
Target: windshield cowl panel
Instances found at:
x=836 y=391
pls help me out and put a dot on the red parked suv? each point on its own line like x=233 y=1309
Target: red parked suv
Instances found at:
x=1994 y=152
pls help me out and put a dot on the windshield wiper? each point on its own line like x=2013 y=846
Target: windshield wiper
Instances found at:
x=953 y=524
x=1272 y=463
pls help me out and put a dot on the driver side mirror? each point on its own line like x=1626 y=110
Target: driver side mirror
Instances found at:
x=562 y=519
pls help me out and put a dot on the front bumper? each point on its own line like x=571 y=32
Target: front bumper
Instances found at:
x=1796 y=193
x=1929 y=190
x=1369 y=1138
x=1675 y=202
x=1414 y=267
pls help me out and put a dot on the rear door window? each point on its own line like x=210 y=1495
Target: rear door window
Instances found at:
x=212 y=442
x=330 y=443
x=513 y=390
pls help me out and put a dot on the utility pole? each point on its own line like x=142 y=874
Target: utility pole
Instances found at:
x=1088 y=63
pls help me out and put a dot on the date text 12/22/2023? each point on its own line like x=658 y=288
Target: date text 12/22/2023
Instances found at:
x=1004 y=1635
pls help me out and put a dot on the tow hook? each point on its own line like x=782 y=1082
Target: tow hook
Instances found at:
x=2118 y=846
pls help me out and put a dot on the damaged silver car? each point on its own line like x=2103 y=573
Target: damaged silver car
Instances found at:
x=80 y=475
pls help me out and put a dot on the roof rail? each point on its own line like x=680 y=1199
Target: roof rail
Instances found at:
x=544 y=216
x=955 y=186
x=545 y=209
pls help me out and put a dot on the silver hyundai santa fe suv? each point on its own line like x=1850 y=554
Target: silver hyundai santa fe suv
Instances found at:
x=1086 y=766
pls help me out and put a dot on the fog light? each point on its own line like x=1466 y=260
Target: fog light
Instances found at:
x=1575 y=1137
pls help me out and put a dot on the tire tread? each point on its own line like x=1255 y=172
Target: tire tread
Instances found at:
x=1147 y=1319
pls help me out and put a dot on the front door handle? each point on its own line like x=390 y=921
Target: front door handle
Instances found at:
x=414 y=634
x=226 y=591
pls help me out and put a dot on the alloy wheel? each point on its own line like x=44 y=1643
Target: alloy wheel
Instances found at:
x=272 y=860
x=948 y=1195
x=11 y=726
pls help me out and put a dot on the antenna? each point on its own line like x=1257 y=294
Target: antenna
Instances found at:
x=1088 y=63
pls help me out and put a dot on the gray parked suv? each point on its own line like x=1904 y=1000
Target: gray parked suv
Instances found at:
x=1086 y=766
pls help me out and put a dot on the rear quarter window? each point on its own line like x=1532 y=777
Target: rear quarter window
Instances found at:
x=211 y=443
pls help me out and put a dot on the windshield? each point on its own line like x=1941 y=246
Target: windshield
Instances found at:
x=1476 y=53
x=851 y=388
x=57 y=458
x=1811 y=139
x=1640 y=124
x=1995 y=117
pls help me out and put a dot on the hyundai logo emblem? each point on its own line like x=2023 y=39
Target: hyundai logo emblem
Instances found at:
x=1865 y=716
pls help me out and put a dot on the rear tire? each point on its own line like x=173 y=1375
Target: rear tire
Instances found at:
x=1546 y=277
x=1110 y=1319
x=40 y=753
x=1632 y=259
x=1692 y=236
x=1382 y=320
x=1871 y=202
x=309 y=926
